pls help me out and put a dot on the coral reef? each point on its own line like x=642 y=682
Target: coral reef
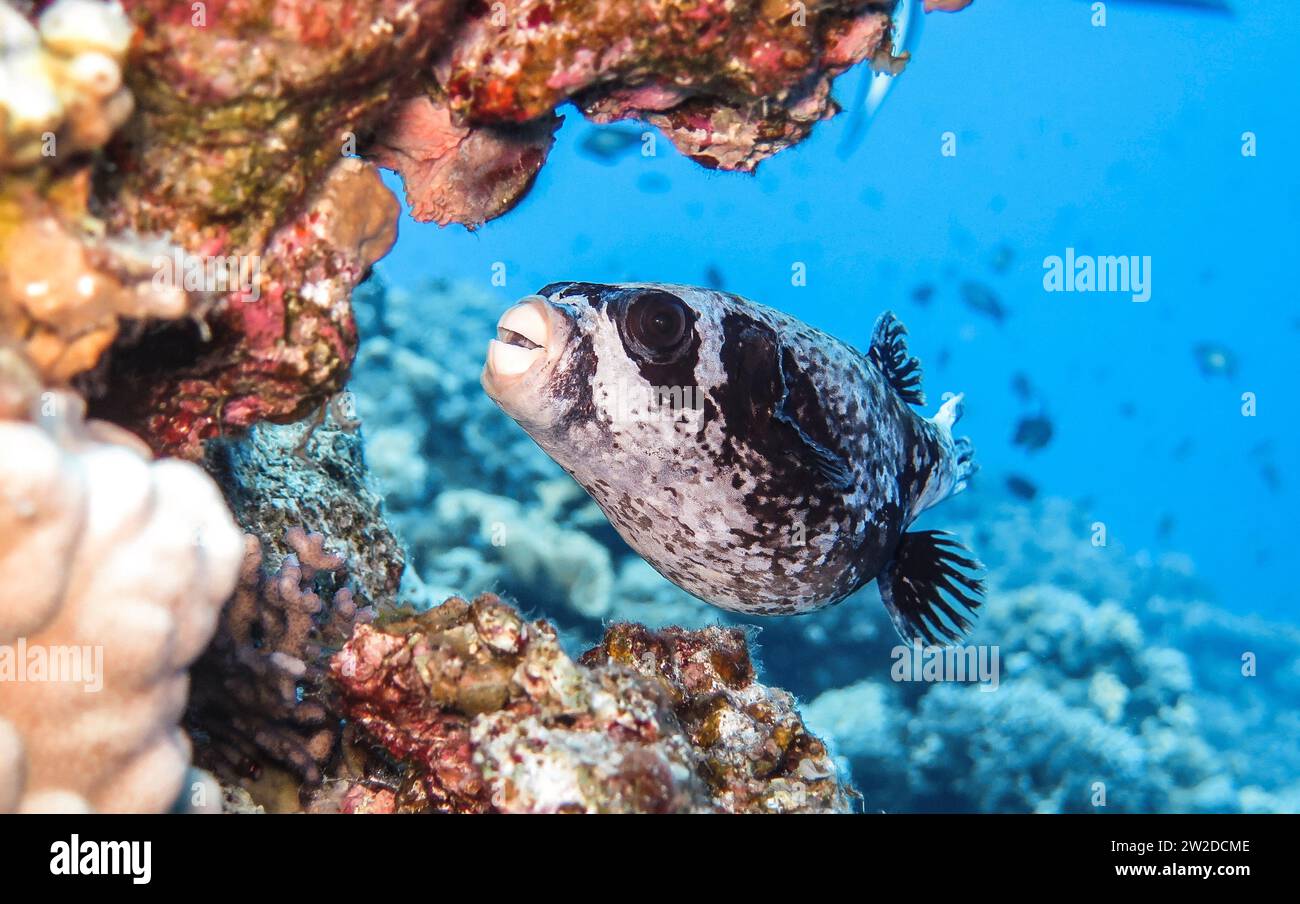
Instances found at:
x=186 y=209
x=489 y=714
x=257 y=689
x=115 y=570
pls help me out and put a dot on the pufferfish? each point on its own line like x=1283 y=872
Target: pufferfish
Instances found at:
x=756 y=462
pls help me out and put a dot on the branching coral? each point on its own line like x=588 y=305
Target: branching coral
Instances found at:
x=257 y=690
x=115 y=570
x=488 y=713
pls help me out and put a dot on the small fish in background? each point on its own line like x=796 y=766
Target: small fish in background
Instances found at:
x=979 y=297
x=1002 y=258
x=1183 y=449
x=1033 y=432
x=654 y=184
x=713 y=277
x=1215 y=360
x=923 y=294
x=1165 y=527
x=787 y=469
x=1262 y=455
x=1128 y=410
x=1021 y=386
x=608 y=144
x=875 y=85
x=1021 y=487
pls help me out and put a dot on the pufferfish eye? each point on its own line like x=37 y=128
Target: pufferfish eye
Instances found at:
x=657 y=321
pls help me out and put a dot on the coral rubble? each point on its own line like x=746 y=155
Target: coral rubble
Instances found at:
x=489 y=714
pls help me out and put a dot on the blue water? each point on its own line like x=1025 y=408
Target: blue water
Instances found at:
x=1122 y=140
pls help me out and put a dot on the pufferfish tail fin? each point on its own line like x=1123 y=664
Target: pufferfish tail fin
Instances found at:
x=889 y=353
x=928 y=588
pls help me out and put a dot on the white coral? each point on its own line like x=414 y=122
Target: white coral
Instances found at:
x=62 y=76
x=106 y=552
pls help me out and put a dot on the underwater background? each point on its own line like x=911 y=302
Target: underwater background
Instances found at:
x=1021 y=131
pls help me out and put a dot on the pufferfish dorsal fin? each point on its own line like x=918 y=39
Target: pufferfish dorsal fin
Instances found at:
x=889 y=353
x=927 y=566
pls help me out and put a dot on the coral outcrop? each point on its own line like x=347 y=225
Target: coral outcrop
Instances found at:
x=276 y=348
x=487 y=713
x=115 y=570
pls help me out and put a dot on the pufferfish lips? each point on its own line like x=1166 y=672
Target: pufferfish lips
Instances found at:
x=523 y=337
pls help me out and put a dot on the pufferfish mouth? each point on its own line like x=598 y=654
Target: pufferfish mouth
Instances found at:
x=523 y=333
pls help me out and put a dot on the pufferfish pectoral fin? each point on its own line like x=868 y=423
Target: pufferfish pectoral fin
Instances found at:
x=781 y=403
x=927 y=566
x=889 y=353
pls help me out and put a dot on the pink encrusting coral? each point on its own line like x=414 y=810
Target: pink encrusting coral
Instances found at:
x=279 y=346
x=457 y=174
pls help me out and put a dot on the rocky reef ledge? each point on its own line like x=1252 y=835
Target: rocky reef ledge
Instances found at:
x=474 y=709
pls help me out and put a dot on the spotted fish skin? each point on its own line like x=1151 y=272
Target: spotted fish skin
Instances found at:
x=781 y=467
